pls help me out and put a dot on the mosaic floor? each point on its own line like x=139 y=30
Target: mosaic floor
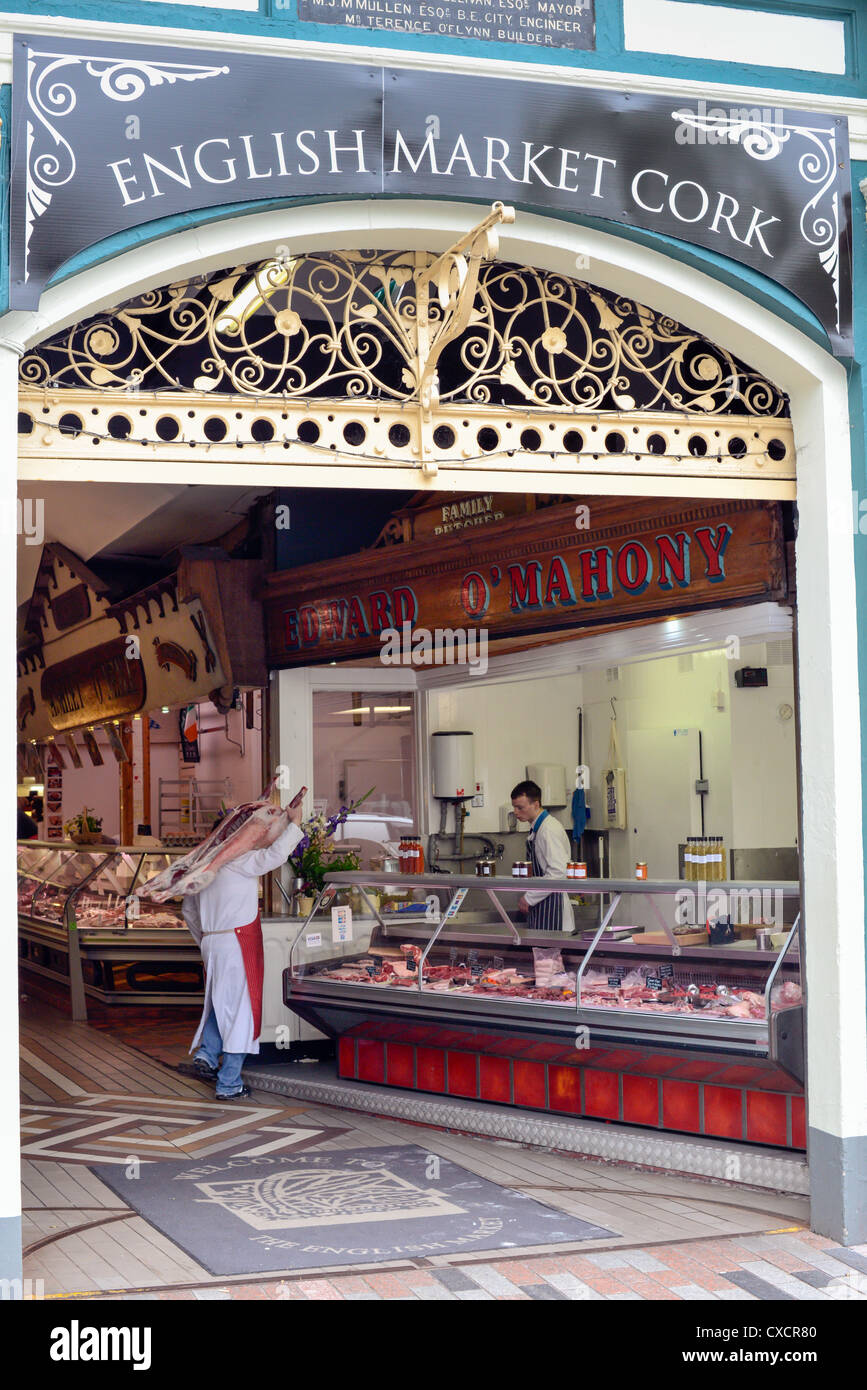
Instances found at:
x=90 y=1099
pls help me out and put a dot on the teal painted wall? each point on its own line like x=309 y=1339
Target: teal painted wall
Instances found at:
x=279 y=18
x=5 y=146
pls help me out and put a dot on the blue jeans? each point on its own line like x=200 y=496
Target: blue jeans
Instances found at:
x=210 y=1047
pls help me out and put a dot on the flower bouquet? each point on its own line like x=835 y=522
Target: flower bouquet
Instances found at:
x=316 y=854
x=84 y=829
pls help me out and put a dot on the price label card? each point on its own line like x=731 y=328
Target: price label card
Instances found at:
x=613 y=981
x=313 y=938
x=455 y=904
x=341 y=924
x=666 y=972
x=654 y=982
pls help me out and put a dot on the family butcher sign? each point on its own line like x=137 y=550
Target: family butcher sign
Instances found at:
x=109 y=136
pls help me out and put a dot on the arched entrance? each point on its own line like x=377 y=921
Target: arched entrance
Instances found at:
x=815 y=385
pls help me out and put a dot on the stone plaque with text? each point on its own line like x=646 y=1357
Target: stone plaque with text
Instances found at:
x=542 y=23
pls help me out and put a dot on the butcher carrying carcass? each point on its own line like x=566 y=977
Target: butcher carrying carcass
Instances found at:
x=218 y=881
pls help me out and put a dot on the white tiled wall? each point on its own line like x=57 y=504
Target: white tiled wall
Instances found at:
x=748 y=749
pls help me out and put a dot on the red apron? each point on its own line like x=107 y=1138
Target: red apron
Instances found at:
x=253 y=954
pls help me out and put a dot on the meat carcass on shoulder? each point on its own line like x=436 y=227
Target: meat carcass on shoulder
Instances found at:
x=255 y=825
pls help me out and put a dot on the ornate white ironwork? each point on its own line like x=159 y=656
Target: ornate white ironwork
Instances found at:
x=88 y=426
x=399 y=356
x=346 y=324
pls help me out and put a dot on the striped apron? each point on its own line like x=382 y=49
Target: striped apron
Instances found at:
x=548 y=914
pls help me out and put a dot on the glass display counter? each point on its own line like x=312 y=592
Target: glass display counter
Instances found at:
x=427 y=963
x=79 y=923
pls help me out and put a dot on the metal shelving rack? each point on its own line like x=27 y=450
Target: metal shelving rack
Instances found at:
x=199 y=799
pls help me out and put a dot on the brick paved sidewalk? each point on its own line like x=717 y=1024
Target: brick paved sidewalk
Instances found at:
x=792 y=1266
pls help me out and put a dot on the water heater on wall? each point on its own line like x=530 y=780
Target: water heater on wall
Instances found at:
x=453 y=767
x=551 y=777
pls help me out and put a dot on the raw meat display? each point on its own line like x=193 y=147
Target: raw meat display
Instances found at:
x=255 y=825
x=146 y=920
x=26 y=888
x=785 y=995
x=548 y=968
x=92 y=915
x=48 y=906
x=639 y=989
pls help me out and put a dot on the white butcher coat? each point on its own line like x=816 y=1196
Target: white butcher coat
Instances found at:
x=230 y=901
x=551 y=844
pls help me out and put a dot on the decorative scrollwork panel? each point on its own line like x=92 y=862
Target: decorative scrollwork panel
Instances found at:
x=346 y=325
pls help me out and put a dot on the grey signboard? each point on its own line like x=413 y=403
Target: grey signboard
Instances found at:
x=110 y=136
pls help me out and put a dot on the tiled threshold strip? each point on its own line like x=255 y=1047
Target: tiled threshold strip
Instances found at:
x=698 y=1157
x=447 y=1268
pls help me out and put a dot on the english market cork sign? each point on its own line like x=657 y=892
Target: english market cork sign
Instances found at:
x=108 y=136
x=537 y=574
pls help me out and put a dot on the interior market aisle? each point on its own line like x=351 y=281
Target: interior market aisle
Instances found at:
x=93 y=1102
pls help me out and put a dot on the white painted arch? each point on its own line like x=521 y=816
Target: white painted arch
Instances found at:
x=816 y=385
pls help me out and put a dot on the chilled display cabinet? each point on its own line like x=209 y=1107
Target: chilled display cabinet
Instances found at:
x=425 y=962
x=79 y=924
x=398 y=990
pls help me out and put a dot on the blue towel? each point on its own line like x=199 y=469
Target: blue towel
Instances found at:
x=580 y=814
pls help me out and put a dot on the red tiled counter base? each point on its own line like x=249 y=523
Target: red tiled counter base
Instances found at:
x=753 y=1101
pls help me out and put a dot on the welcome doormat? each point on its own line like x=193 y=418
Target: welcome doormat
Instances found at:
x=252 y=1215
